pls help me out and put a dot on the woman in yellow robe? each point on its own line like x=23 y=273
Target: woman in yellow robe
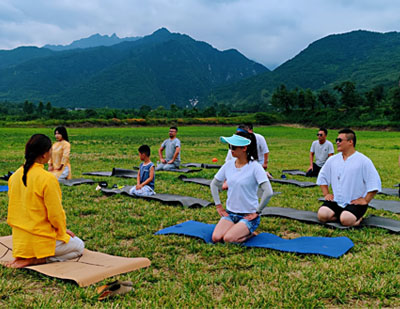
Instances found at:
x=59 y=161
x=35 y=212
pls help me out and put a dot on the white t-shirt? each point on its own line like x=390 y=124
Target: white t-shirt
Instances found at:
x=350 y=179
x=321 y=151
x=262 y=147
x=242 y=185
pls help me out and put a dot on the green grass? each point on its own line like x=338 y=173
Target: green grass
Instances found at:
x=186 y=272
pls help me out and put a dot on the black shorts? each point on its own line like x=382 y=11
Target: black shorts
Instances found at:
x=357 y=210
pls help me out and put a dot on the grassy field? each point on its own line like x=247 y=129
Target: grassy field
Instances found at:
x=186 y=272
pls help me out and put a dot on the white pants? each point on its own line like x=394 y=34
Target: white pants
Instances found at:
x=67 y=251
x=64 y=174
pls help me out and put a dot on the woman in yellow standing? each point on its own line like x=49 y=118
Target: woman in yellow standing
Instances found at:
x=35 y=211
x=59 y=162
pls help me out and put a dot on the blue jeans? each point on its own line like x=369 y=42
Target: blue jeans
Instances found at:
x=235 y=218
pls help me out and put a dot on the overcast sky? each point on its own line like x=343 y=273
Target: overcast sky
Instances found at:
x=267 y=31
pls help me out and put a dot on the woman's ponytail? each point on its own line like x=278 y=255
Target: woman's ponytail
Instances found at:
x=37 y=145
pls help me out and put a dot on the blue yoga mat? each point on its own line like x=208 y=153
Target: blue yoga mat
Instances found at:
x=3 y=188
x=328 y=246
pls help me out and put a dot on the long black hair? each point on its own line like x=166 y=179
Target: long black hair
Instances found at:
x=252 y=148
x=37 y=145
x=63 y=131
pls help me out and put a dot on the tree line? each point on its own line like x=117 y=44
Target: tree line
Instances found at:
x=341 y=106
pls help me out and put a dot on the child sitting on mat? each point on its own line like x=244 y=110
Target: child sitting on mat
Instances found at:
x=35 y=212
x=146 y=175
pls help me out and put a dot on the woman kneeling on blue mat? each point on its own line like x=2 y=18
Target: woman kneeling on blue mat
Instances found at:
x=244 y=177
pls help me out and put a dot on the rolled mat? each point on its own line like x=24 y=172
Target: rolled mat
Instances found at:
x=311 y=217
x=328 y=246
x=88 y=269
x=173 y=199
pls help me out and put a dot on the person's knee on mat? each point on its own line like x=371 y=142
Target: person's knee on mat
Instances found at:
x=325 y=214
x=348 y=219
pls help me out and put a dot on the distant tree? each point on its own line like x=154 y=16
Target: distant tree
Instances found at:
x=144 y=111
x=28 y=108
x=350 y=98
x=326 y=98
x=223 y=110
x=90 y=113
x=282 y=99
x=40 y=108
x=309 y=99
x=394 y=100
x=210 y=111
x=48 y=107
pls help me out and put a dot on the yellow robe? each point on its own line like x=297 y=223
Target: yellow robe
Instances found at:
x=60 y=155
x=35 y=213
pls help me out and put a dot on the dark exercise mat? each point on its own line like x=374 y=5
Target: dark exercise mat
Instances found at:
x=328 y=246
x=204 y=182
x=201 y=165
x=76 y=181
x=392 y=206
x=294 y=172
x=116 y=172
x=390 y=191
x=301 y=184
x=173 y=199
x=181 y=170
x=311 y=217
x=200 y=181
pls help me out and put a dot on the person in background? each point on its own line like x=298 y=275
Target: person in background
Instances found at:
x=35 y=212
x=354 y=181
x=59 y=161
x=322 y=149
x=146 y=175
x=244 y=175
x=172 y=148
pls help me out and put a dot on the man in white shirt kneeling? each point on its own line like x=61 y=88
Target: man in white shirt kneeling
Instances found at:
x=353 y=179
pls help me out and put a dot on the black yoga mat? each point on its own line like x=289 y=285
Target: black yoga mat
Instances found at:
x=294 y=172
x=311 y=217
x=173 y=199
x=390 y=191
x=116 y=172
x=201 y=165
x=392 y=206
x=75 y=182
x=301 y=184
x=200 y=181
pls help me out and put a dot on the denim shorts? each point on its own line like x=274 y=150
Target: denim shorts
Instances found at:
x=235 y=218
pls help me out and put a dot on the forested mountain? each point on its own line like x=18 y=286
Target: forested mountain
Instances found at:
x=366 y=58
x=159 y=69
x=94 y=40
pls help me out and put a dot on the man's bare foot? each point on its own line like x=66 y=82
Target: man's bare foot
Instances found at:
x=21 y=262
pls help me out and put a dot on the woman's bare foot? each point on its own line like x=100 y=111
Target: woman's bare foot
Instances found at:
x=21 y=262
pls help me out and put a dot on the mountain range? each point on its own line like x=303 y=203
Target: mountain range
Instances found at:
x=160 y=69
x=165 y=68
